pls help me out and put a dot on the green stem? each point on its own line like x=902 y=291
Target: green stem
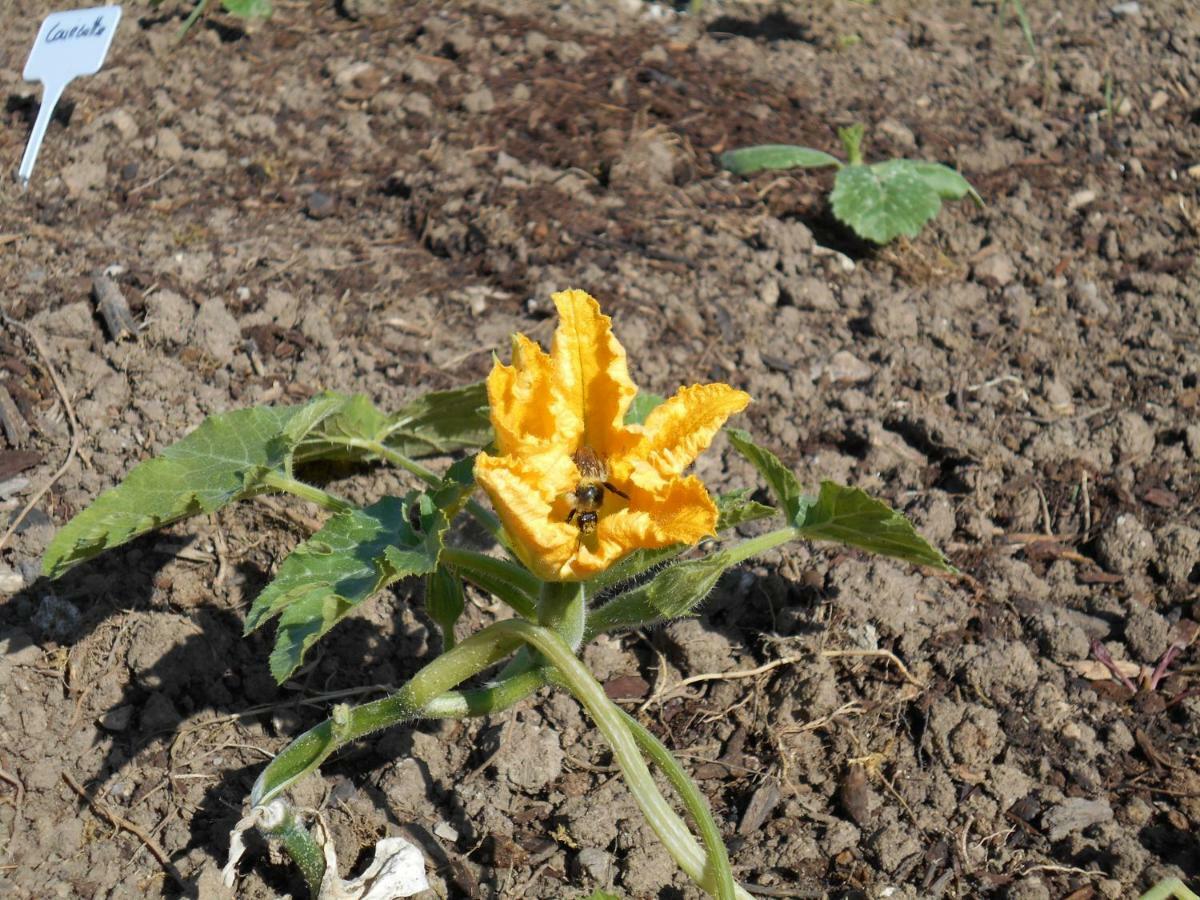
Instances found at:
x=670 y=829
x=280 y=482
x=191 y=19
x=422 y=696
x=513 y=584
x=485 y=517
x=761 y=544
x=562 y=607
x=302 y=848
x=693 y=801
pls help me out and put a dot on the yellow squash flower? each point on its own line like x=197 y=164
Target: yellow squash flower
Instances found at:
x=555 y=413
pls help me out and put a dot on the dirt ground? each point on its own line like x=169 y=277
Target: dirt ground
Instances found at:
x=368 y=196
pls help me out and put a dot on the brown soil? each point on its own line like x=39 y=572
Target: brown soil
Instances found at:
x=371 y=198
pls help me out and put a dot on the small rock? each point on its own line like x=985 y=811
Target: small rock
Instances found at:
x=168 y=146
x=446 y=832
x=320 y=205
x=480 y=101
x=1125 y=546
x=11 y=580
x=846 y=368
x=159 y=714
x=1074 y=815
x=1085 y=297
x=1080 y=199
x=1123 y=10
x=995 y=271
x=596 y=864
x=56 y=618
x=900 y=133
x=1146 y=634
x=117 y=719
x=168 y=316
x=83 y=176
x=215 y=331
x=892 y=318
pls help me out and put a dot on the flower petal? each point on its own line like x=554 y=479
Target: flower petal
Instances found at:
x=591 y=370
x=681 y=513
x=528 y=496
x=680 y=429
x=527 y=409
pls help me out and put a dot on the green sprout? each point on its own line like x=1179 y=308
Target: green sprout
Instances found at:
x=250 y=10
x=879 y=201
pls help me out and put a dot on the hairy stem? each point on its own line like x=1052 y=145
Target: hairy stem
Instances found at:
x=562 y=607
x=573 y=674
x=426 y=695
x=289 y=485
x=693 y=801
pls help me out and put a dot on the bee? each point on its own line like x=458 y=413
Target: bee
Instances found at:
x=588 y=495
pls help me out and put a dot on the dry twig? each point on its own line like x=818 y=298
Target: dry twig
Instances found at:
x=123 y=824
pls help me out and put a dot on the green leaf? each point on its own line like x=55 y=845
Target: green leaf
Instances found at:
x=673 y=592
x=947 y=182
x=779 y=478
x=736 y=508
x=444 y=602
x=598 y=894
x=888 y=199
x=748 y=160
x=355 y=555
x=442 y=422
x=248 y=9
x=223 y=460
x=641 y=406
x=847 y=515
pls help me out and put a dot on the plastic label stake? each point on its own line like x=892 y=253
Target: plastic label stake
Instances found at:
x=69 y=43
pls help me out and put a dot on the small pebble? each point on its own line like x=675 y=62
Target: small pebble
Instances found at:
x=320 y=205
x=995 y=271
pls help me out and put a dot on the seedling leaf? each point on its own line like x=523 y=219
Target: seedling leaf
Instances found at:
x=782 y=482
x=248 y=9
x=888 y=199
x=748 y=160
x=355 y=555
x=223 y=460
x=847 y=515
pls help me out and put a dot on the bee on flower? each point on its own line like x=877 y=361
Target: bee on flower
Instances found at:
x=575 y=487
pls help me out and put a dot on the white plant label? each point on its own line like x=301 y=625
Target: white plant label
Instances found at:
x=69 y=43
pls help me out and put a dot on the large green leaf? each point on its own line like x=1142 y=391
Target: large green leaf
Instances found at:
x=223 y=460
x=355 y=555
x=442 y=422
x=748 y=160
x=888 y=199
x=229 y=456
x=847 y=515
x=782 y=482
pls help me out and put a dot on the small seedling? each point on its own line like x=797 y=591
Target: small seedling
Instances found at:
x=880 y=201
x=597 y=529
x=249 y=10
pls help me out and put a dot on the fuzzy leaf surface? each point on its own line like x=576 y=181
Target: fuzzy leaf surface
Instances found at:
x=442 y=422
x=355 y=555
x=748 y=160
x=780 y=479
x=888 y=199
x=223 y=460
x=847 y=515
